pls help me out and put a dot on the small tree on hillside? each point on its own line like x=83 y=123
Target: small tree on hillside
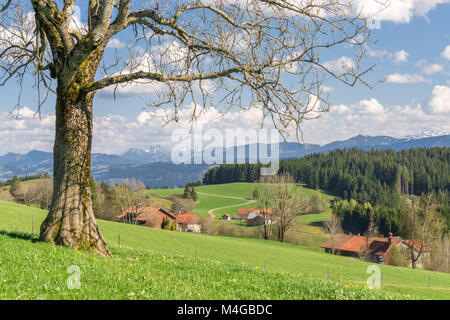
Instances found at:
x=424 y=225
x=333 y=226
x=264 y=199
x=286 y=205
x=255 y=194
x=372 y=228
x=130 y=195
x=45 y=197
x=182 y=205
x=318 y=203
x=14 y=186
x=189 y=192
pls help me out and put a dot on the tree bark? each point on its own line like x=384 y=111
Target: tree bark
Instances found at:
x=71 y=220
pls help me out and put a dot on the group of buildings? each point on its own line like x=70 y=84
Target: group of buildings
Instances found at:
x=373 y=249
x=255 y=217
x=156 y=217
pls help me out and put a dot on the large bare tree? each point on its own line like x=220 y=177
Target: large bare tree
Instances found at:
x=333 y=226
x=262 y=54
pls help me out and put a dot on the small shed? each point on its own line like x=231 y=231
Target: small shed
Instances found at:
x=257 y=219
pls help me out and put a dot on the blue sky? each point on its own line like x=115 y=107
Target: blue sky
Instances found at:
x=413 y=54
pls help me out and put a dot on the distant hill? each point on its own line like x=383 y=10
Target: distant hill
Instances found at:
x=153 y=165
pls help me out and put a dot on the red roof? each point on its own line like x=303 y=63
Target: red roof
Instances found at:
x=418 y=244
x=189 y=218
x=354 y=244
x=350 y=243
x=150 y=216
x=245 y=211
x=336 y=241
x=144 y=212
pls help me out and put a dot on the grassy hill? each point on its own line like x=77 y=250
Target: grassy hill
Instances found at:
x=212 y=196
x=234 y=196
x=161 y=264
x=24 y=187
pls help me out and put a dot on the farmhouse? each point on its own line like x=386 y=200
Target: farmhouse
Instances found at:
x=225 y=217
x=405 y=248
x=149 y=216
x=244 y=212
x=189 y=222
x=257 y=219
x=372 y=249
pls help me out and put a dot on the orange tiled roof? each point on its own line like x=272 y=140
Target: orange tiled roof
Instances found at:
x=245 y=211
x=354 y=244
x=418 y=244
x=351 y=243
x=144 y=212
x=336 y=241
x=186 y=218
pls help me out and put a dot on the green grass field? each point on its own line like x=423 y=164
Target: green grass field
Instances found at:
x=227 y=267
x=243 y=190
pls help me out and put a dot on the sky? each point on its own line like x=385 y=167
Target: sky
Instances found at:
x=413 y=56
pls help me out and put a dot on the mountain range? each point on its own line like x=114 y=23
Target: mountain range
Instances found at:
x=153 y=165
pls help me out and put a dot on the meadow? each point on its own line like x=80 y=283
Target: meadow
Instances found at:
x=215 y=196
x=153 y=263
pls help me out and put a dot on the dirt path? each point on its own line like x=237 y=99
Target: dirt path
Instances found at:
x=211 y=212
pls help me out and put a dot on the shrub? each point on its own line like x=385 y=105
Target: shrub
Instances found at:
x=398 y=258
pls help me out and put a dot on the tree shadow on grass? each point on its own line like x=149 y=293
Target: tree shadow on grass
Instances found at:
x=19 y=235
x=316 y=224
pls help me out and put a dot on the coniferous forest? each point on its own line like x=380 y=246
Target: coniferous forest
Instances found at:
x=377 y=177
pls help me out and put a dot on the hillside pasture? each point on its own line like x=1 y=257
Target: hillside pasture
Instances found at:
x=229 y=252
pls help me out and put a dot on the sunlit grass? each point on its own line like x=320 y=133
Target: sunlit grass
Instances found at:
x=19 y=259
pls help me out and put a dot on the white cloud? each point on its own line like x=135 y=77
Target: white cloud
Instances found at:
x=405 y=78
x=429 y=69
x=115 y=43
x=432 y=69
x=399 y=11
x=446 y=53
x=327 y=89
x=440 y=100
x=21 y=131
x=115 y=134
x=371 y=106
x=369 y=117
x=341 y=65
x=401 y=56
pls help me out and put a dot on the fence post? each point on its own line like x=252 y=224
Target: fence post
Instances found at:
x=195 y=253
x=266 y=265
x=382 y=278
x=429 y=282
x=118 y=240
x=32 y=227
x=328 y=274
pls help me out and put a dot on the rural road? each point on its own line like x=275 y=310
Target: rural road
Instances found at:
x=211 y=212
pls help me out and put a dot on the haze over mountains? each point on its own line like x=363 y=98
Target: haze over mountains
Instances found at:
x=153 y=165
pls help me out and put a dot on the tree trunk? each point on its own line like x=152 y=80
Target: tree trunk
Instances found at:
x=71 y=220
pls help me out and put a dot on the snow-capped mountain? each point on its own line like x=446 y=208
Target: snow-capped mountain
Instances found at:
x=425 y=134
x=150 y=154
x=155 y=160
